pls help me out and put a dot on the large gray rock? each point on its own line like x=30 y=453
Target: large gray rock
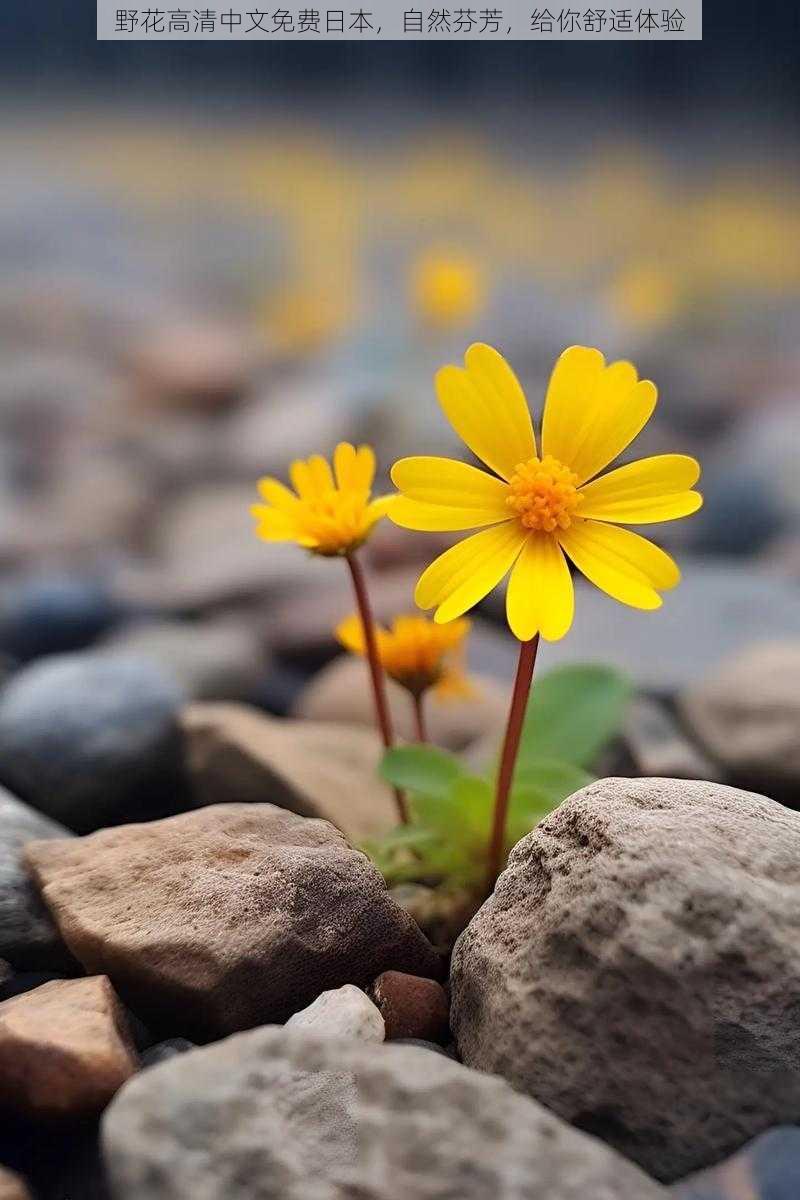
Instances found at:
x=638 y=969
x=91 y=740
x=269 y=1115
x=223 y=918
x=28 y=938
x=747 y=715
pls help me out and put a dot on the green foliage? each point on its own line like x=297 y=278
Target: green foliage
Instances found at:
x=573 y=713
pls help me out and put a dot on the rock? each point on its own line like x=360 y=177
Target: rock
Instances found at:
x=346 y=1012
x=747 y=714
x=91 y=740
x=198 y=365
x=274 y=1115
x=658 y=746
x=162 y=1051
x=52 y=614
x=432 y=1046
x=638 y=966
x=15 y=983
x=741 y=514
x=411 y=1007
x=12 y=1187
x=219 y=919
x=317 y=769
x=64 y=1049
x=6 y=972
x=218 y=659
x=28 y=937
x=716 y=609
x=768 y=1168
x=341 y=692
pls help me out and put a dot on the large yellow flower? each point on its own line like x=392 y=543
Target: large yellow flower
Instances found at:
x=327 y=515
x=540 y=508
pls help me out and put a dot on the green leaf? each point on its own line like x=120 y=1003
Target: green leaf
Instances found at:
x=421 y=769
x=573 y=712
x=552 y=778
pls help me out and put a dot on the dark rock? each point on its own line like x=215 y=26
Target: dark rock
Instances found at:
x=25 y=981
x=270 y=1115
x=768 y=1168
x=637 y=969
x=92 y=740
x=411 y=1007
x=53 y=614
x=28 y=937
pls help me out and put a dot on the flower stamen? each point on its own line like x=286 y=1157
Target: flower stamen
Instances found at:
x=544 y=494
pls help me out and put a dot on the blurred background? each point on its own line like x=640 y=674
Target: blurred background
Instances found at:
x=215 y=258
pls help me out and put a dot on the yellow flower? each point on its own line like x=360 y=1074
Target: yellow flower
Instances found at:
x=447 y=289
x=538 y=509
x=415 y=652
x=328 y=516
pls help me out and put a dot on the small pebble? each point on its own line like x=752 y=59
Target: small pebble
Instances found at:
x=411 y=1007
x=345 y=1012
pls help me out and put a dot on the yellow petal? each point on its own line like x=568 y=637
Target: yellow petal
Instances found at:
x=620 y=562
x=272 y=525
x=364 y=471
x=344 y=465
x=468 y=571
x=438 y=518
x=277 y=494
x=350 y=633
x=486 y=406
x=652 y=489
x=540 y=597
x=455 y=484
x=320 y=475
x=593 y=412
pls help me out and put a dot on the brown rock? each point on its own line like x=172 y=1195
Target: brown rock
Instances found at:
x=411 y=1007
x=224 y=918
x=317 y=769
x=65 y=1049
x=341 y=692
x=637 y=969
x=196 y=365
x=12 y=1187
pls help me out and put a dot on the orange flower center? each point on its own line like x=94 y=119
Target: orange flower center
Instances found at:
x=544 y=494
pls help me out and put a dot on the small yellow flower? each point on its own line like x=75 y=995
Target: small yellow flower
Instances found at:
x=327 y=515
x=446 y=289
x=415 y=652
x=540 y=509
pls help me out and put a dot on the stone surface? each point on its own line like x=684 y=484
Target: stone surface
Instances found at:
x=658 y=746
x=638 y=969
x=218 y=659
x=162 y=1051
x=238 y=755
x=199 y=365
x=747 y=714
x=341 y=692
x=411 y=1007
x=223 y=918
x=12 y=1187
x=64 y=1049
x=53 y=614
x=91 y=740
x=345 y=1012
x=768 y=1168
x=28 y=937
x=272 y=1115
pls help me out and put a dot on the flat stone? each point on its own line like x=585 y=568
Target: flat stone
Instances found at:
x=91 y=740
x=216 y=920
x=318 y=769
x=28 y=937
x=637 y=969
x=341 y=692
x=747 y=714
x=64 y=1049
x=344 y=1012
x=279 y=1115
x=411 y=1007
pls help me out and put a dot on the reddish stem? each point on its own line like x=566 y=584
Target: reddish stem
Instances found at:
x=419 y=716
x=508 y=760
x=382 y=714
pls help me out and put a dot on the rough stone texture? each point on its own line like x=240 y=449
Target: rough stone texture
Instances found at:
x=345 y=1012
x=747 y=714
x=411 y=1007
x=766 y=1169
x=227 y=917
x=28 y=937
x=12 y=1187
x=91 y=740
x=64 y=1049
x=341 y=692
x=269 y=1115
x=219 y=659
x=638 y=969
x=318 y=769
